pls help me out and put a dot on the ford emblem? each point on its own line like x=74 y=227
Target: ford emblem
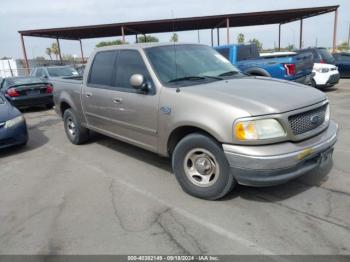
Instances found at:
x=316 y=119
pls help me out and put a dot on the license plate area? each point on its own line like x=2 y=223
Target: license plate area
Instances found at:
x=325 y=157
x=33 y=92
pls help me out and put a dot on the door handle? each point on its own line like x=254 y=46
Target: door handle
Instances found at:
x=88 y=94
x=117 y=100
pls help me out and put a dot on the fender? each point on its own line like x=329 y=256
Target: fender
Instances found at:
x=257 y=71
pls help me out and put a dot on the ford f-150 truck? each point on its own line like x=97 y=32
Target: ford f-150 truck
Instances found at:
x=287 y=66
x=186 y=101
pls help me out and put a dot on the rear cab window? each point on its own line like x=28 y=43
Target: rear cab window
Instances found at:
x=247 y=52
x=102 y=69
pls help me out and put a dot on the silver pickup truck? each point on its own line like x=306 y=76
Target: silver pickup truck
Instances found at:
x=186 y=101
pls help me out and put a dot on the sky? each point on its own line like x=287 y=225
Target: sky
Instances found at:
x=18 y=15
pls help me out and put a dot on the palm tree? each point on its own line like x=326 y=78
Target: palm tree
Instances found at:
x=55 y=50
x=49 y=52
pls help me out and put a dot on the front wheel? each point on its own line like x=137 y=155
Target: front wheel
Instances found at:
x=76 y=133
x=201 y=168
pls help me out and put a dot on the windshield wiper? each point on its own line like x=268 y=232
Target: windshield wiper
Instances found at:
x=194 y=78
x=213 y=77
x=229 y=73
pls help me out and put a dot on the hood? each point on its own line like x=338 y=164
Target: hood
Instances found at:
x=7 y=111
x=259 y=95
x=319 y=66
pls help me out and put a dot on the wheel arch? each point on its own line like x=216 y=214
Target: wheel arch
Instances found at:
x=181 y=131
x=256 y=71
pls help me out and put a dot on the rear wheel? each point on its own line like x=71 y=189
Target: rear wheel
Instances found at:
x=76 y=133
x=201 y=168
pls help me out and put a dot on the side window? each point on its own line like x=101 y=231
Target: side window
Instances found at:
x=345 y=58
x=39 y=72
x=129 y=62
x=101 y=72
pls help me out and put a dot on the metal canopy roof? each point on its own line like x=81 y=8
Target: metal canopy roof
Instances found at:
x=180 y=24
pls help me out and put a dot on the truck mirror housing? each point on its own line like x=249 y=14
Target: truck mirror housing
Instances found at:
x=137 y=81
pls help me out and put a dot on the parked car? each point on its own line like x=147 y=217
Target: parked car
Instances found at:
x=219 y=126
x=320 y=55
x=13 y=128
x=342 y=61
x=287 y=66
x=326 y=75
x=27 y=91
x=49 y=72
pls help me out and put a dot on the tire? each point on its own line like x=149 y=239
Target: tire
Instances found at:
x=313 y=83
x=74 y=131
x=49 y=106
x=207 y=177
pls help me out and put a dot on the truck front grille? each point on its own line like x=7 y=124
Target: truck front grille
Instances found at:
x=307 y=121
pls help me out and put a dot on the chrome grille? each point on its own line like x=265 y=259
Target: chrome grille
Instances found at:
x=307 y=121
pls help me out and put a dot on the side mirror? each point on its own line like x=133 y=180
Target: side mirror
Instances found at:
x=138 y=82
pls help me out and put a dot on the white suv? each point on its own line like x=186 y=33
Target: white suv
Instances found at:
x=326 y=75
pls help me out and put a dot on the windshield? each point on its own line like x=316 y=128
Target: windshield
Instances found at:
x=326 y=56
x=23 y=80
x=189 y=63
x=1 y=100
x=62 y=71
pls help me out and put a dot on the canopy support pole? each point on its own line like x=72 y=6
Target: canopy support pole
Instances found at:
x=335 y=30
x=81 y=51
x=301 y=34
x=123 y=35
x=59 y=49
x=212 y=37
x=228 y=30
x=279 y=37
x=218 y=35
x=198 y=37
x=26 y=64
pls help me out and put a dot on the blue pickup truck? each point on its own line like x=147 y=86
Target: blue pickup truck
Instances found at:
x=288 y=66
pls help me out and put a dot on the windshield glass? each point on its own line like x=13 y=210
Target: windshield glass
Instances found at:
x=1 y=100
x=62 y=71
x=326 y=56
x=188 y=63
x=23 y=80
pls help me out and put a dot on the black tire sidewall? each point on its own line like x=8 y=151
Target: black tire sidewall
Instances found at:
x=225 y=181
x=77 y=138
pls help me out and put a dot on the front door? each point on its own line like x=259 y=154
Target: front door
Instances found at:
x=134 y=115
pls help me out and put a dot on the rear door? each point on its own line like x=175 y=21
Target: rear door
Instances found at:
x=96 y=94
x=134 y=114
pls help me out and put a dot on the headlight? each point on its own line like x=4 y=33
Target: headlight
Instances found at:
x=14 y=121
x=328 y=114
x=258 y=129
x=322 y=70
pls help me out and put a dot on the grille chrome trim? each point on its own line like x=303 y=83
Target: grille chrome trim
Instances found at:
x=307 y=121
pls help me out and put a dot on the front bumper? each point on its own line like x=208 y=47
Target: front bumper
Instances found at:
x=278 y=163
x=327 y=80
x=16 y=135
x=26 y=101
